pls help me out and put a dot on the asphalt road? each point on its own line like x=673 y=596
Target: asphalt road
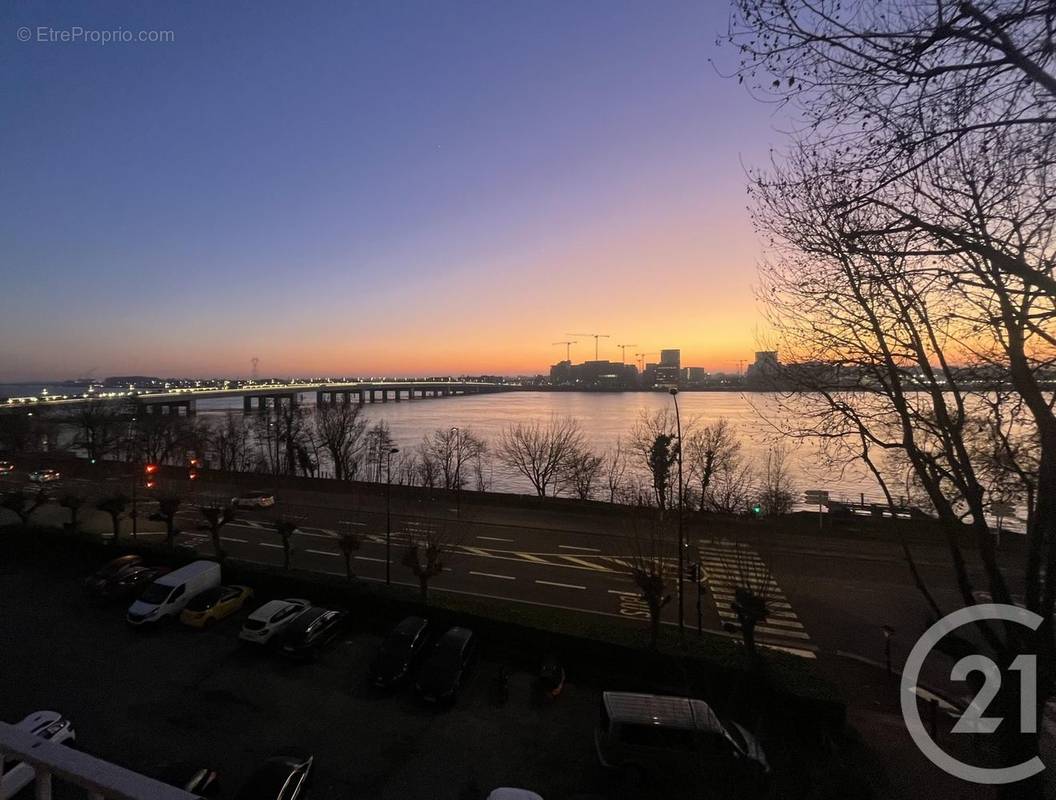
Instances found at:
x=825 y=591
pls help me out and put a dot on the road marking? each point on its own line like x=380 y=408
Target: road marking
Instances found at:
x=586 y=564
x=300 y=532
x=369 y=558
x=561 y=585
x=573 y=547
x=494 y=539
x=620 y=591
x=269 y=544
x=233 y=539
x=351 y=522
x=492 y=575
x=322 y=552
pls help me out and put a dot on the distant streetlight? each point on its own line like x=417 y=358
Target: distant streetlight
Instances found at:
x=681 y=540
x=458 y=472
x=388 y=514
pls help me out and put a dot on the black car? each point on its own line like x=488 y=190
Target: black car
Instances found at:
x=448 y=665
x=101 y=582
x=284 y=776
x=312 y=630
x=399 y=651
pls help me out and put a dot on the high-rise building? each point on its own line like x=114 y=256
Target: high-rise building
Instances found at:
x=671 y=358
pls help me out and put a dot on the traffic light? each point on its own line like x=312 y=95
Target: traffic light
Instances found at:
x=757 y=509
x=151 y=471
x=192 y=469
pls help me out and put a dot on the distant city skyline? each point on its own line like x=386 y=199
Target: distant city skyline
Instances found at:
x=415 y=189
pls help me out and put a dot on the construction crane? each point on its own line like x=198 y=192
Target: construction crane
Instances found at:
x=596 y=337
x=641 y=359
x=623 y=351
x=568 y=349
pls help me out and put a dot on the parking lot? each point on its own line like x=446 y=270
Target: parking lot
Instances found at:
x=176 y=694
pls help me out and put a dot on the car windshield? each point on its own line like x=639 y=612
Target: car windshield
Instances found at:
x=156 y=594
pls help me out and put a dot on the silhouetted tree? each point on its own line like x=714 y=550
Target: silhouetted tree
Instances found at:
x=114 y=505
x=72 y=503
x=428 y=546
x=23 y=503
x=168 y=507
x=216 y=516
x=651 y=542
x=539 y=452
x=348 y=543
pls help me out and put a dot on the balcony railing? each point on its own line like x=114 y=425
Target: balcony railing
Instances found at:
x=59 y=763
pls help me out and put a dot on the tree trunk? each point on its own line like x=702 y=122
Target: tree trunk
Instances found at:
x=423 y=589
x=348 y=566
x=217 y=549
x=115 y=523
x=170 y=533
x=654 y=628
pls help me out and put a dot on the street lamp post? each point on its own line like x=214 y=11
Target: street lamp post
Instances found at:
x=388 y=515
x=681 y=541
x=458 y=472
x=132 y=431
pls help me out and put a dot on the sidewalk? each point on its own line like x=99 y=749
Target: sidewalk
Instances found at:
x=873 y=709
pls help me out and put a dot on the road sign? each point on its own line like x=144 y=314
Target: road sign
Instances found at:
x=815 y=497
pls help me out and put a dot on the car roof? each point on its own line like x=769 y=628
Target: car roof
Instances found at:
x=457 y=634
x=266 y=611
x=654 y=709
x=186 y=572
x=410 y=625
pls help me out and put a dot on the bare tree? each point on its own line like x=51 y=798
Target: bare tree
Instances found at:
x=73 y=502
x=114 y=505
x=581 y=474
x=539 y=452
x=655 y=445
x=23 y=503
x=378 y=443
x=753 y=590
x=453 y=450
x=286 y=528
x=730 y=488
x=229 y=443
x=615 y=469
x=650 y=564
x=428 y=545
x=168 y=508
x=710 y=449
x=216 y=516
x=349 y=542
x=482 y=472
x=100 y=425
x=340 y=431
x=777 y=494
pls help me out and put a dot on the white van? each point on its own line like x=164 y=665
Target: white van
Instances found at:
x=652 y=734
x=167 y=596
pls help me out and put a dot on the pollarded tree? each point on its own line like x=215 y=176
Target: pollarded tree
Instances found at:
x=73 y=502
x=349 y=542
x=428 y=546
x=216 y=516
x=286 y=528
x=652 y=546
x=168 y=507
x=114 y=505
x=23 y=503
x=539 y=452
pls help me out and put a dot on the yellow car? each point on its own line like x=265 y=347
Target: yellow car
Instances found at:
x=214 y=604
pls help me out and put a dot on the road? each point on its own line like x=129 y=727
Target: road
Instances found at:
x=824 y=592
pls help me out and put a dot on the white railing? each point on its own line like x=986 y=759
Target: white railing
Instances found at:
x=100 y=779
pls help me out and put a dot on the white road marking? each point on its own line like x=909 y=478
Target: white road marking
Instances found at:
x=584 y=549
x=300 y=532
x=494 y=539
x=269 y=544
x=369 y=558
x=322 y=552
x=351 y=522
x=233 y=539
x=561 y=585
x=492 y=575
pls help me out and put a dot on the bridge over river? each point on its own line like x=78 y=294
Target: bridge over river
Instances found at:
x=262 y=396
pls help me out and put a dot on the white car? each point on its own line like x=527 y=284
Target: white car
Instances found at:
x=45 y=475
x=272 y=618
x=254 y=500
x=51 y=725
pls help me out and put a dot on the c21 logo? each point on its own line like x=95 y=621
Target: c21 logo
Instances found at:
x=974 y=720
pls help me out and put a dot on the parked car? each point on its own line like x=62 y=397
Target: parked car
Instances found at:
x=97 y=582
x=6 y=467
x=271 y=619
x=284 y=776
x=508 y=793
x=447 y=666
x=132 y=582
x=51 y=725
x=166 y=597
x=401 y=648
x=214 y=605
x=311 y=632
x=45 y=475
x=656 y=734
x=254 y=500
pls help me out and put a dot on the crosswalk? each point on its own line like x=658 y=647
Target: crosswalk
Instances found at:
x=727 y=565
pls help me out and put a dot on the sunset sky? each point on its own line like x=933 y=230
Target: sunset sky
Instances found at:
x=372 y=188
